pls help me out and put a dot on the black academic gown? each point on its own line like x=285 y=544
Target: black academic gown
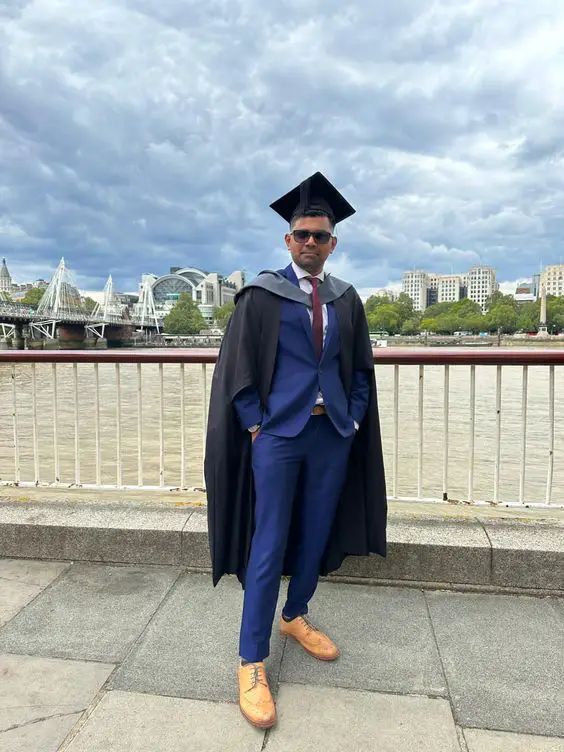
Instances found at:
x=247 y=357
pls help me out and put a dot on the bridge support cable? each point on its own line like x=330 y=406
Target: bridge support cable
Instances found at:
x=148 y=315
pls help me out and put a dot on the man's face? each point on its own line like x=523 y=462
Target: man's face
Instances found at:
x=310 y=255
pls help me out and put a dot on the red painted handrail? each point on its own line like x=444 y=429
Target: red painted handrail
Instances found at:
x=382 y=355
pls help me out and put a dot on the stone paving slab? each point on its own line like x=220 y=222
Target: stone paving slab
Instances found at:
x=21 y=580
x=479 y=740
x=13 y=597
x=130 y=722
x=328 y=719
x=504 y=660
x=115 y=531
x=31 y=571
x=92 y=612
x=42 y=698
x=191 y=648
x=384 y=635
x=524 y=555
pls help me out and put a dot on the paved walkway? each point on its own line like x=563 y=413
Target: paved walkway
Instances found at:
x=109 y=658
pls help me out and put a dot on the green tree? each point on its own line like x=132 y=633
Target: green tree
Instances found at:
x=528 y=316
x=383 y=313
x=88 y=304
x=474 y=323
x=502 y=317
x=498 y=298
x=384 y=318
x=436 y=309
x=33 y=296
x=555 y=313
x=411 y=326
x=222 y=313
x=374 y=302
x=404 y=307
x=185 y=317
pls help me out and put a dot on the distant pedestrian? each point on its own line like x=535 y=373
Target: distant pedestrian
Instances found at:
x=294 y=468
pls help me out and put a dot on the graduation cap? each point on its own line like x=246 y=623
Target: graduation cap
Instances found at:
x=315 y=192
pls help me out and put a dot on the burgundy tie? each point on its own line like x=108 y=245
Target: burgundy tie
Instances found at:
x=317 y=323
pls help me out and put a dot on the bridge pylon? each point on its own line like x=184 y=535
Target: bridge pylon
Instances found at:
x=61 y=301
x=148 y=313
x=109 y=311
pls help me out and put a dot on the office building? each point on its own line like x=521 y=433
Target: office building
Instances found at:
x=426 y=289
x=481 y=284
x=416 y=284
x=552 y=279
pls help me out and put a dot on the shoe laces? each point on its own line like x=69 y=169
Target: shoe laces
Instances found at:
x=309 y=626
x=258 y=675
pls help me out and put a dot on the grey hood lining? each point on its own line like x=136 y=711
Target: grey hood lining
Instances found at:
x=331 y=288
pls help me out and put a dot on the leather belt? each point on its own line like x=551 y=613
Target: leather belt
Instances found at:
x=318 y=410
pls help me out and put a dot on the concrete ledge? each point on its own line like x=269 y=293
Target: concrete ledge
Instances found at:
x=112 y=531
x=525 y=555
x=428 y=543
x=428 y=550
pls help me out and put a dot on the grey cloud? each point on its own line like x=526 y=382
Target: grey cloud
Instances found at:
x=137 y=135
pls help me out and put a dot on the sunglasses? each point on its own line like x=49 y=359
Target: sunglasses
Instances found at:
x=320 y=236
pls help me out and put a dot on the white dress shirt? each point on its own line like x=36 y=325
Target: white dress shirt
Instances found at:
x=306 y=286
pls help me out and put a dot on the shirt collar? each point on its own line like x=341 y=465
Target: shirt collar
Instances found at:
x=301 y=273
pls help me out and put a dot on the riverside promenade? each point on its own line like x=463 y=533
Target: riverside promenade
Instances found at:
x=112 y=638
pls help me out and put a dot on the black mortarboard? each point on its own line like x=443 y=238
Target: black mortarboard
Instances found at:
x=316 y=192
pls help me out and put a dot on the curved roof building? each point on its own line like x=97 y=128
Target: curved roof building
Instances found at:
x=167 y=289
x=208 y=290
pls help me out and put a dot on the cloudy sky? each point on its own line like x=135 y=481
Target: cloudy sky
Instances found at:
x=136 y=134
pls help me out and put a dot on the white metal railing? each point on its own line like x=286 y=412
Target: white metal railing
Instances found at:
x=137 y=419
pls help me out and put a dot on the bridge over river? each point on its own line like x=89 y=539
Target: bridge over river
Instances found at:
x=61 y=319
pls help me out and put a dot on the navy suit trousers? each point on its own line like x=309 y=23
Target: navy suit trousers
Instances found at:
x=318 y=457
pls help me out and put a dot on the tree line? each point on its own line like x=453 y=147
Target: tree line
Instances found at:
x=503 y=314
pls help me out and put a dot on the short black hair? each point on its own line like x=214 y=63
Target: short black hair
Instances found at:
x=299 y=213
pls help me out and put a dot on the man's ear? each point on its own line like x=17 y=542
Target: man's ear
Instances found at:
x=287 y=238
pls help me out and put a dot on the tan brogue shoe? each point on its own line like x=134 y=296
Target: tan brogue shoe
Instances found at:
x=310 y=638
x=255 y=700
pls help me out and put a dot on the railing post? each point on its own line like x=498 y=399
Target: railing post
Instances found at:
x=445 y=431
x=549 y=476
x=139 y=426
x=55 y=423
x=15 y=427
x=35 y=427
x=420 y=433
x=497 y=461
x=204 y=417
x=472 y=424
x=76 y=426
x=396 y=434
x=523 y=434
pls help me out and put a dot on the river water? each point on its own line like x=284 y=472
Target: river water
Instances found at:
x=537 y=427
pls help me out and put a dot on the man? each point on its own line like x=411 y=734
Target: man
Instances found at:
x=294 y=469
